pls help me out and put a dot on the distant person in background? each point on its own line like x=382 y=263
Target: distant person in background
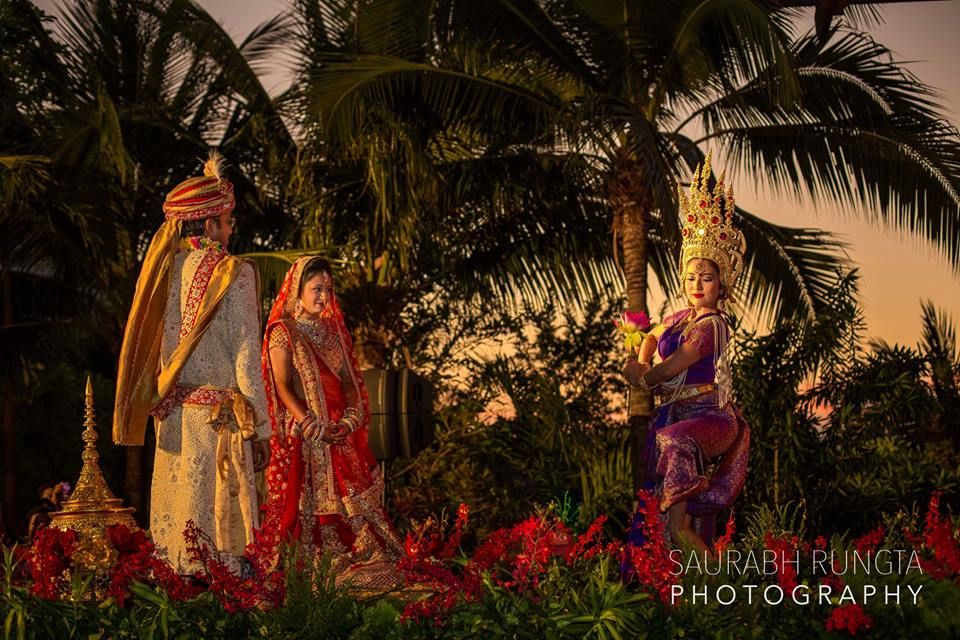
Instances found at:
x=50 y=498
x=55 y=493
x=324 y=484
x=695 y=423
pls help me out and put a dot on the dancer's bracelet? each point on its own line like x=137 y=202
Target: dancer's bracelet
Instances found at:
x=644 y=384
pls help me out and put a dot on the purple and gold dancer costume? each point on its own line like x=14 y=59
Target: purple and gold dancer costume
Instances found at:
x=698 y=444
x=696 y=423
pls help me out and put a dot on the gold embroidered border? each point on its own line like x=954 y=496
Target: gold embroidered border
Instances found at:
x=198 y=286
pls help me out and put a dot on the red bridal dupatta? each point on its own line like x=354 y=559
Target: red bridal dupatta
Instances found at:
x=325 y=496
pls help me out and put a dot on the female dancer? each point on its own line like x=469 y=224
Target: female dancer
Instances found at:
x=696 y=421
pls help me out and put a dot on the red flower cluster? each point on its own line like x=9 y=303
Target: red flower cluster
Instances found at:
x=720 y=544
x=49 y=560
x=426 y=548
x=589 y=544
x=940 y=537
x=850 y=618
x=870 y=542
x=236 y=593
x=518 y=557
x=138 y=561
x=784 y=548
x=427 y=540
x=515 y=558
x=651 y=561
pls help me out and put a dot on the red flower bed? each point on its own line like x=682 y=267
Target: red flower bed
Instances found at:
x=49 y=560
x=49 y=564
x=651 y=562
x=939 y=537
x=261 y=588
x=850 y=618
x=516 y=559
x=138 y=561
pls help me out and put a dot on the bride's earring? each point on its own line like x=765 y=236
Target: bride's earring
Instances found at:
x=298 y=308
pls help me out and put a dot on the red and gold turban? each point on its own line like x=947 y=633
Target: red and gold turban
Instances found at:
x=201 y=197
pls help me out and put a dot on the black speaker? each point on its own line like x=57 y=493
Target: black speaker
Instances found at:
x=415 y=413
x=382 y=390
x=401 y=408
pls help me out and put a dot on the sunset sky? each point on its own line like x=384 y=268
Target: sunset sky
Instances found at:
x=897 y=271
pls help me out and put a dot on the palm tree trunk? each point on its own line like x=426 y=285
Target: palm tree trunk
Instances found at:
x=631 y=212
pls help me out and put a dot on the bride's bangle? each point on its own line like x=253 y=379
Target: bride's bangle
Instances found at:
x=305 y=422
x=351 y=418
x=302 y=422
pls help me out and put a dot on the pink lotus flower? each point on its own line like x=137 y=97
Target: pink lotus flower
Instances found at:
x=632 y=321
x=633 y=325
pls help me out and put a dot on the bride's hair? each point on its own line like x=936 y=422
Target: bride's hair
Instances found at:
x=312 y=268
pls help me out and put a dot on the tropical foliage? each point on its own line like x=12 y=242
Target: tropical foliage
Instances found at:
x=528 y=425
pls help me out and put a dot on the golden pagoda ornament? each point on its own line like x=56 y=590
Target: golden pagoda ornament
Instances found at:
x=92 y=507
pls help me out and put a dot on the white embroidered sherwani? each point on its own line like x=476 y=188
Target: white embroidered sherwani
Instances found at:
x=203 y=469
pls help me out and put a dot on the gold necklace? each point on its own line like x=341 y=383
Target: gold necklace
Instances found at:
x=325 y=340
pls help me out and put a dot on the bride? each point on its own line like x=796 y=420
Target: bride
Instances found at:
x=323 y=483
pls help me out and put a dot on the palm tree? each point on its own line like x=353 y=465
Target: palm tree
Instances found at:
x=29 y=80
x=939 y=346
x=419 y=208
x=638 y=91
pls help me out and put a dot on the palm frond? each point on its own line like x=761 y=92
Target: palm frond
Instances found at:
x=789 y=271
x=513 y=29
x=534 y=229
x=261 y=45
x=345 y=90
x=865 y=134
x=722 y=43
x=393 y=28
x=938 y=338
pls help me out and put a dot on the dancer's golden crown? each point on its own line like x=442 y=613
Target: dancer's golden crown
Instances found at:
x=708 y=231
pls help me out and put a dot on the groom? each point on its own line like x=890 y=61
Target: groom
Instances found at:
x=191 y=359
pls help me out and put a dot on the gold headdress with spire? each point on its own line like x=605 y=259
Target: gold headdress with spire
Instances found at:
x=708 y=231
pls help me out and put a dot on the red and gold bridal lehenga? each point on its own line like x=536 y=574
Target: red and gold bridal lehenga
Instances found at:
x=325 y=496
